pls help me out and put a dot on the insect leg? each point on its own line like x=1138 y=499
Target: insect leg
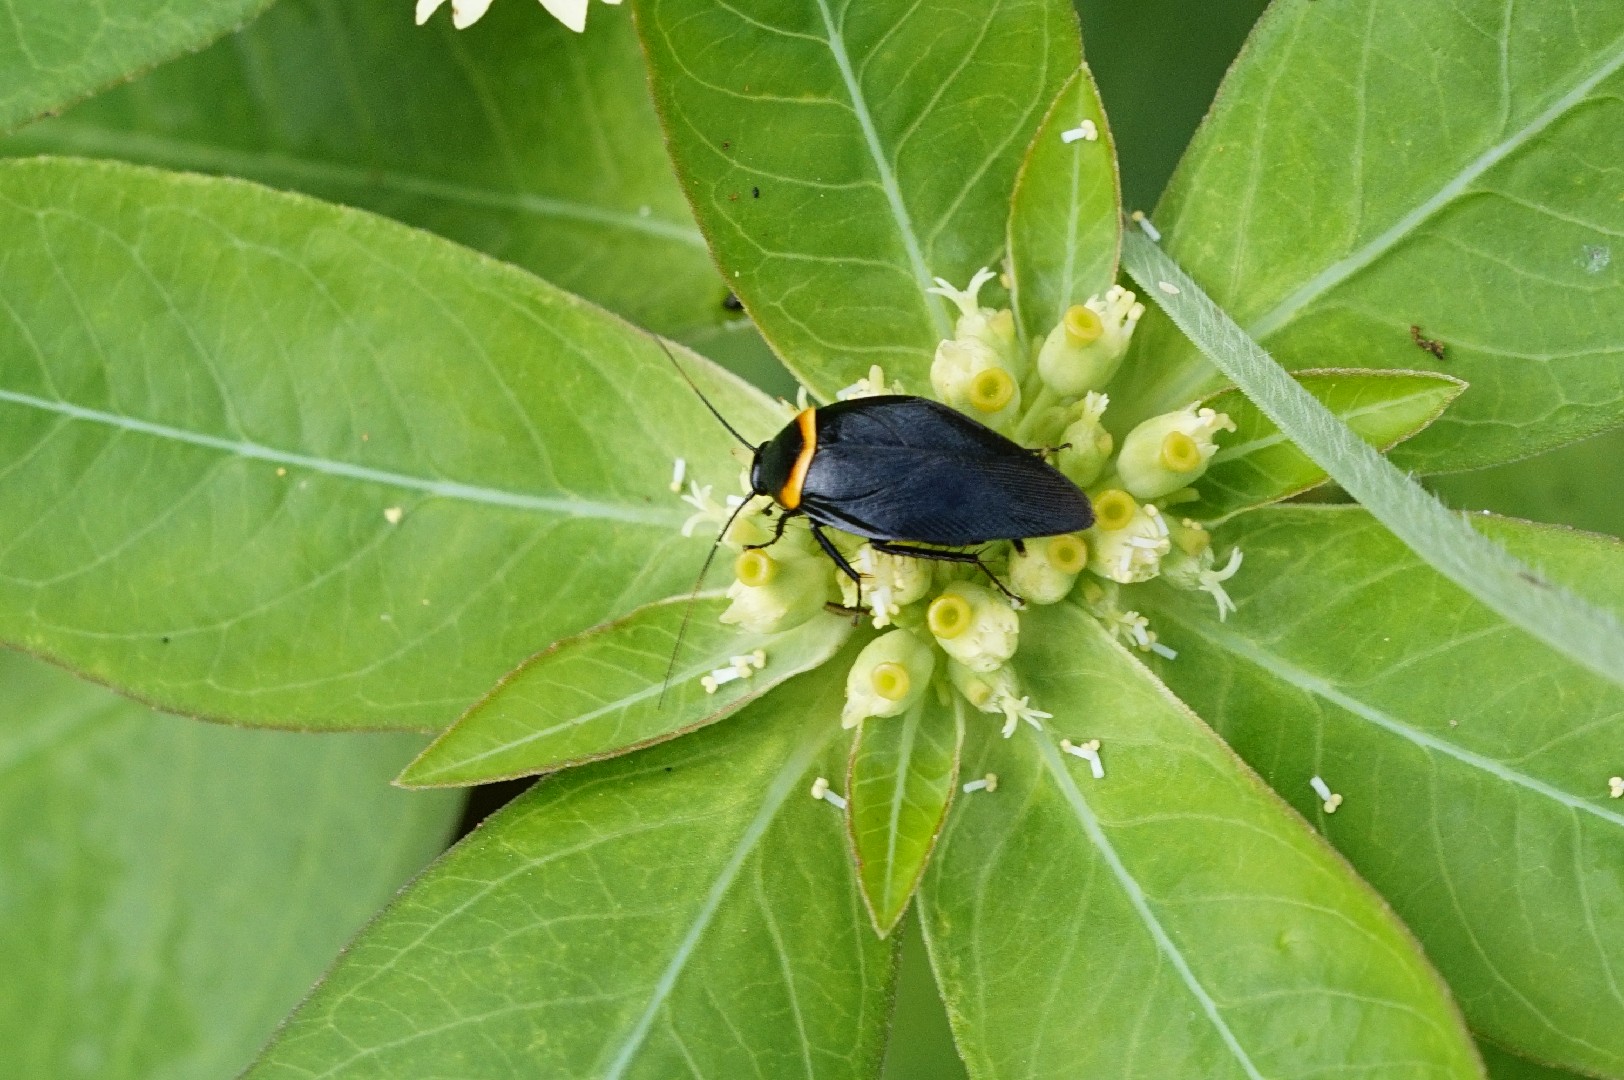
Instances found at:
x=966 y=557
x=833 y=552
x=778 y=531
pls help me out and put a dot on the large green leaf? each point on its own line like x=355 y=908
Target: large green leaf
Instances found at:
x=613 y=689
x=839 y=154
x=517 y=137
x=1065 y=218
x=53 y=53
x=687 y=910
x=1377 y=165
x=1473 y=761
x=1258 y=464
x=1504 y=1066
x=899 y=781
x=1572 y=485
x=1172 y=918
x=275 y=461
x=170 y=889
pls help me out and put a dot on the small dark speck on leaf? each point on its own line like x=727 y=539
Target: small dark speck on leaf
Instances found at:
x=727 y=144
x=668 y=768
x=732 y=303
x=755 y=193
x=1436 y=348
x=164 y=639
x=733 y=196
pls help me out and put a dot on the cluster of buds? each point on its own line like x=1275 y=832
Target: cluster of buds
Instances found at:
x=942 y=629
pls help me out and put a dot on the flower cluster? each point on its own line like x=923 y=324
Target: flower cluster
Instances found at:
x=465 y=13
x=941 y=624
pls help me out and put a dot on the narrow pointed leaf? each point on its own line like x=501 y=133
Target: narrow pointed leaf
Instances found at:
x=55 y=52
x=1588 y=634
x=1257 y=464
x=1065 y=220
x=840 y=155
x=171 y=889
x=516 y=136
x=1172 y=918
x=1375 y=166
x=687 y=910
x=900 y=780
x=275 y=461
x=1473 y=761
x=605 y=692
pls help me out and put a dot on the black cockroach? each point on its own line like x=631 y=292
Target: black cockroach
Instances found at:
x=903 y=471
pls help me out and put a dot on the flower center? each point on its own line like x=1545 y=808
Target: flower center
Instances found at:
x=1068 y=554
x=991 y=390
x=890 y=681
x=1113 y=509
x=1082 y=324
x=755 y=568
x=1180 y=452
x=948 y=616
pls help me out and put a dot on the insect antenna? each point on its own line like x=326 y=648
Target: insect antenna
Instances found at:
x=746 y=443
x=688 y=611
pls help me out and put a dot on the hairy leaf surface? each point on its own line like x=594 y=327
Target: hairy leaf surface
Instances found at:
x=275 y=461
x=1472 y=760
x=1171 y=918
x=171 y=888
x=1380 y=170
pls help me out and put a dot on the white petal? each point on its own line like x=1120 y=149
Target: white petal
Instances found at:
x=425 y=8
x=611 y=1
x=572 y=13
x=465 y=13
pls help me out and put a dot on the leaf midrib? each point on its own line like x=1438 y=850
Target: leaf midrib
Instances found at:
x=1141 y=904
x=94 y=140
x=565 y=506
x=887 y=176
x=1245 y=649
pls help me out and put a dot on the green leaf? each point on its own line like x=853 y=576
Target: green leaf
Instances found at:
x=1065 y=218
x=1257 y=464
x=1566 y=622
x=1568 y=486
x=54 y=53
x=1376 y=165
x=516 y=136
x=687 y=910
x=605 y=692
x=1172 y=918
x=839 y=156
x=1504 y=1066
x=899 y=783
x=1473 y=761
x=275 y=461
x=170 y=888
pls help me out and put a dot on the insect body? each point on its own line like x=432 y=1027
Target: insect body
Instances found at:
x=902 y=471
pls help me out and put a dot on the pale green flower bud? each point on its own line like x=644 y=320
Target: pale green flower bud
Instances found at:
x=975 y=627
x=1170 y=451
x=1085 y=350
x=776 y=590
x=996 y=691
x=888 y=676
x=975 y=379
x=1128 y=541
x=995 y=329
x=890 y=582
x=1045 y=572
x=1192 y=565
x=1087 y=444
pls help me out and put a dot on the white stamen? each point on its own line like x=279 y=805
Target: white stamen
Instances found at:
x=1162 y=650
x=1168 y=287
x=1089 y=752
x=708 y=683
x=820 y=790
x=1330 y=799
x=1143 y=222
x=1211 y=583
x=1087 y=130
x=393 y=515
x=1018 y=709
x=1615 y=787
x=988 y=783
x=724 y=675
x=679 y=471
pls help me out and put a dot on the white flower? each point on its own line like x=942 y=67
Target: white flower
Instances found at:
x=996 y=691
x=773 y=593
x=872 y=385
x=1086 y=444
x=994 y=329
x=891 y=673
x=1046 y=570
x=1085 y=349
x=1128 y=539
x=889 y=583
x=1170 y=451
x=464 y=13
x=975 y=378
x=974 y=626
